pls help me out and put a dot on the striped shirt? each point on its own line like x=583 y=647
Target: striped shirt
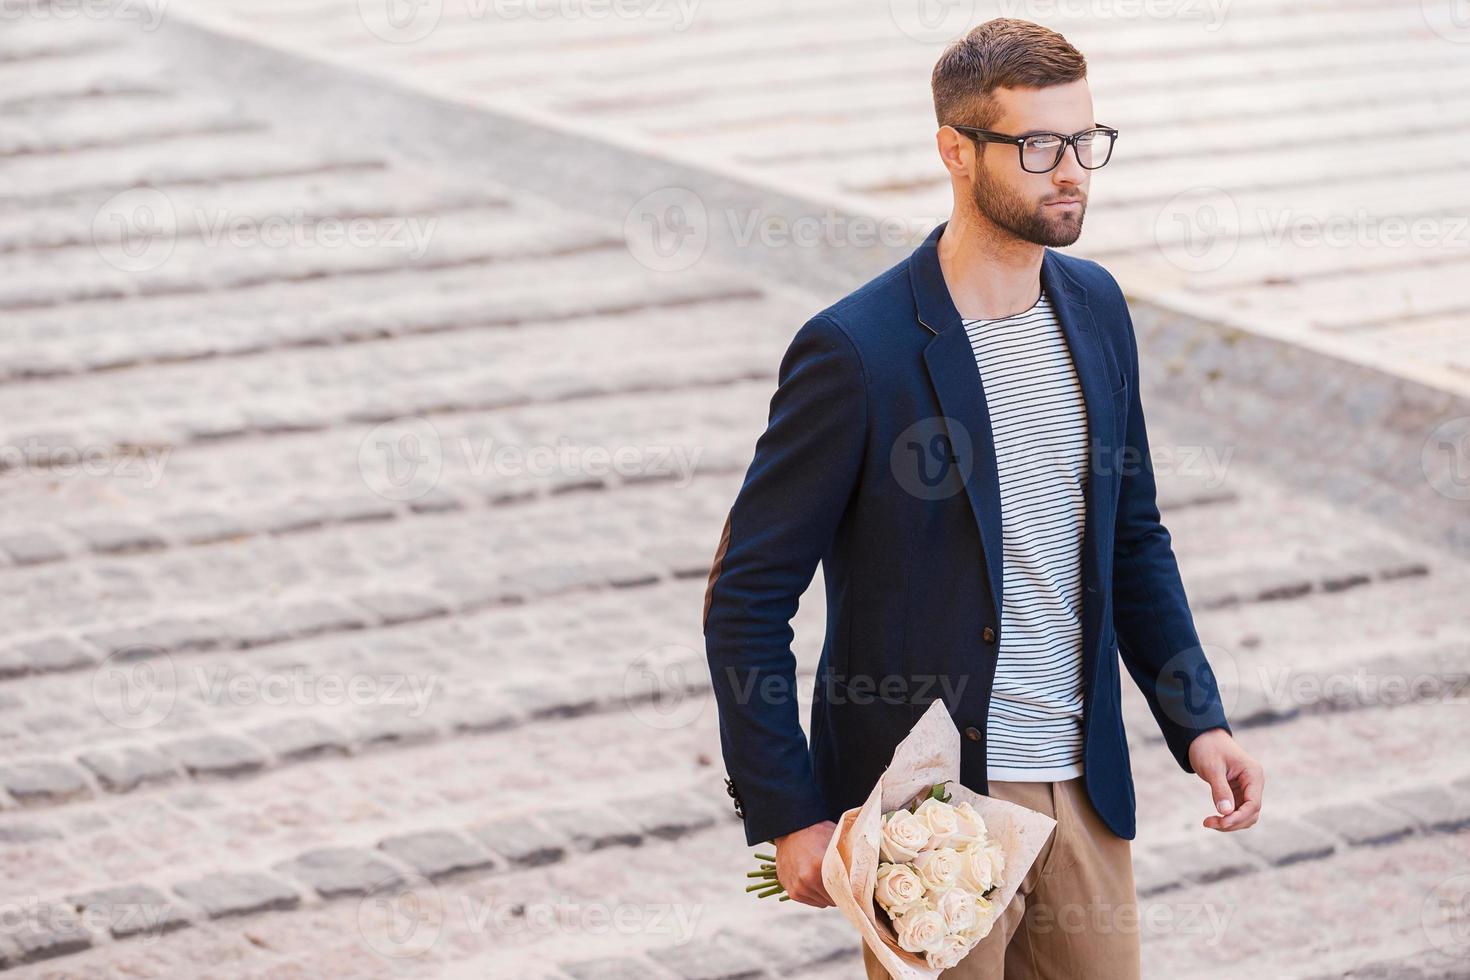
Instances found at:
x=1039 y=423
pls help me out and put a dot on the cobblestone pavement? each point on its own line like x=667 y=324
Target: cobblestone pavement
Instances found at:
x=1233 y=193
x=355 y=526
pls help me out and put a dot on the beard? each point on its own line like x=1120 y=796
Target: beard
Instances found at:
x=1027 y=220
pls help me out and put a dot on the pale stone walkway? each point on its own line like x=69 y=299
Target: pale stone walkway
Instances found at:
x=1291 y=165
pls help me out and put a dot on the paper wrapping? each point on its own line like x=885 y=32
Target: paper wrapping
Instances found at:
x=929 y=754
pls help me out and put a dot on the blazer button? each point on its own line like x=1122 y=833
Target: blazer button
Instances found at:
x=988 y=635
x=973 y=734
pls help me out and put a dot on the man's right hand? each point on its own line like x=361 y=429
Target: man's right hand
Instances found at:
x=799 y=863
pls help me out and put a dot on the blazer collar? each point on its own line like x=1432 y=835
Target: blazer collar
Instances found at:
x=931 y=296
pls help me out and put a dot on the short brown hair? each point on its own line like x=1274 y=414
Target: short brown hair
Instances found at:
x=1000 y=53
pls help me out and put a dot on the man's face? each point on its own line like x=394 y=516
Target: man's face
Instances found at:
x=1045 y=209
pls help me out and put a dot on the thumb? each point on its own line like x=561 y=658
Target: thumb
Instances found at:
x=1214 y=774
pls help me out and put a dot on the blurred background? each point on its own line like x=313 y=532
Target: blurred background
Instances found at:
x=376 y=377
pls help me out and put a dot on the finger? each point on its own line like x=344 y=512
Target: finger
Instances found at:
x=1219 y=789
x=1243 y=817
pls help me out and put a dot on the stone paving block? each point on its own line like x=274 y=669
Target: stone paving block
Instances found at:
x=566 y=698
x=668 y=816
x=629 y=574
x=1280 y=841
x=525 y=842
x=797 y=942
x=12 y=664
x=119 y=538
x=1204 y=861
x=217 y=755
x=336 y=871
x=718 y=958
x=124 y=769
x=43 y=783
x=436 y=501
x=393 y=608
x=48 y=932
x=131 y=910
x=1151 y=876
x=301 y=515
x=361 y=509
x=614 y=968
x=689 y=560
x=1432 y=807
x=1362 y=824
x=126 y=643
x=313 y=618
x=27 y=833
x=55 y=653
x=203 y=527
x=471 y=594
x=542 y=581
x=387 y=727
x=301 y=738
x=31 y=547
x=1277 y=584
x=180 y=636
x=437 y=853
x=482 y=716
x=252 y=628
x=594 y=827
x=238 y=893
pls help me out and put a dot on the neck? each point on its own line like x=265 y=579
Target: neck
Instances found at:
x=989 y=272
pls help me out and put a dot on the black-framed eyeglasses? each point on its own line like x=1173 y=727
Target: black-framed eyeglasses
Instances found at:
x=1041 y=152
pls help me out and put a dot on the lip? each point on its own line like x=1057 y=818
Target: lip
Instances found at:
x=1064 y=204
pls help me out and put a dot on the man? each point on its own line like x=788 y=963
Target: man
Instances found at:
x=961 y=444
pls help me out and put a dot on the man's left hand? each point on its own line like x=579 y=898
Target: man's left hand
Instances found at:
x=1236 y=779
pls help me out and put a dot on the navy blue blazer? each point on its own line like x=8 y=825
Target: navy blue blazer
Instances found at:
x=878 y=462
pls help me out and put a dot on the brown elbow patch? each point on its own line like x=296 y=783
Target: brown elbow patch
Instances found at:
x=714 y=572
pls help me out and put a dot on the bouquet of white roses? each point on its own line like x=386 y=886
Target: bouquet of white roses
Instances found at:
x=925 y=866
x=938 y=870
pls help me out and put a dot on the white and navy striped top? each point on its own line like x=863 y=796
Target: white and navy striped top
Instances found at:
x=1039 y=422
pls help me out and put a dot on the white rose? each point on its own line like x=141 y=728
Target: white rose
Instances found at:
x=920 y=930
x=950 y=952
x=981 y=866
x=938 y=869
x=985 y=912
x=971 y=827
x=898 y=889
x=940 y=818
x=903 y=836
x=958 y=908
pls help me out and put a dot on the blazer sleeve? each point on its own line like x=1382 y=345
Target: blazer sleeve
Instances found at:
x=782 y=522
x=1156 y=633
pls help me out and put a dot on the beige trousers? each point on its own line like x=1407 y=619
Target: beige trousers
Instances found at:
x=1076 y=912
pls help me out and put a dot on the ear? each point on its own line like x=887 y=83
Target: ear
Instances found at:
x=955 y=149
